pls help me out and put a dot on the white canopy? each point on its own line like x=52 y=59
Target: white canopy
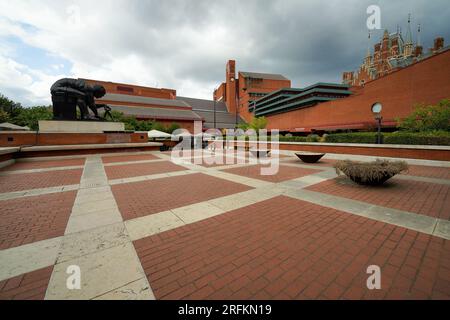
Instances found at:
x=158 y=134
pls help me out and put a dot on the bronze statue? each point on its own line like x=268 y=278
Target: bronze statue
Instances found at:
x=68 y=93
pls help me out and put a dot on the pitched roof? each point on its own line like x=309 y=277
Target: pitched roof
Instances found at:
x=143 y=100
x=202 y=104
x=269 y=76
x=157 y=113
x=205 y=109
x=223 y=119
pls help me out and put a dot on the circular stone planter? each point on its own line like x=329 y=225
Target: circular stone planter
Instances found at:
x=372 y=182
x=260 y=153
x=310 y=157
x=370 y=173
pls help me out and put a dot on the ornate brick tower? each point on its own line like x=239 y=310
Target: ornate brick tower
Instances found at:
x=231 y=85
x=408 y=46
x=393 y=52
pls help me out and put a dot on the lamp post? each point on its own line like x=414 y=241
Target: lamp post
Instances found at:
x=376 y=110
x=214 y=111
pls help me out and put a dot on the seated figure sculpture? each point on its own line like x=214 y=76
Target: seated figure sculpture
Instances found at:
x=68 y=93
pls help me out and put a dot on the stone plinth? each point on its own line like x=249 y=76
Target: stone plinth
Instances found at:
x=52 y=126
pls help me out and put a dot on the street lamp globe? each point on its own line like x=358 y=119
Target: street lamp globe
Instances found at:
x=377 y=107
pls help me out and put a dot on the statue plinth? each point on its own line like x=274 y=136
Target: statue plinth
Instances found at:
x=62 y=126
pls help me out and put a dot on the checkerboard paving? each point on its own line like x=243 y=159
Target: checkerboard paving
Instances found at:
x=289 y=249
x=127 y=158
x=31 y=219
x=28 y=286
x=44 y=164
x=429 y=171
x=147 y=197
x=141 y=169
x=206 y=234
x=414 y=196
x=284 y=172
x=35 y=180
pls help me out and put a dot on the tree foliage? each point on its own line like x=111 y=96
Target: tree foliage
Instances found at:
x=428 y=118
x=131 y=123
x=29 y=117
x=257 y=123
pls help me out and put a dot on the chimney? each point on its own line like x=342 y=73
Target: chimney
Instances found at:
x=418 y=51
x=231 y=86
x=438 y=44
x=347 y=77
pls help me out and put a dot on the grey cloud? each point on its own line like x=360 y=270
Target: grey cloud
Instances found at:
x=307 y=41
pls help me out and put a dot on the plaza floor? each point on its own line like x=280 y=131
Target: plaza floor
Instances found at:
x=146 y=226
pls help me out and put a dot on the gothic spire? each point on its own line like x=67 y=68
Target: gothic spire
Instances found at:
x=408 y=32
x=418 y=34
x=368 y=45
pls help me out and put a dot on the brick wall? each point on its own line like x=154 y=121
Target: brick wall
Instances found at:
x=15 y=139
x=120 y=88
x=412 y=152
x=264 y=86
x=427 y=81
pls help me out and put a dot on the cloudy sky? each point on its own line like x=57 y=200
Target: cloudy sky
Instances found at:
x=185 y=44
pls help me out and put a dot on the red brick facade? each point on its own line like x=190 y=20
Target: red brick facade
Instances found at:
x=120 y=88
x=426 y=81
x=238 y=92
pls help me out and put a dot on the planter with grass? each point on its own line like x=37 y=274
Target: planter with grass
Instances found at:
x=370 y=173
x=309 y=157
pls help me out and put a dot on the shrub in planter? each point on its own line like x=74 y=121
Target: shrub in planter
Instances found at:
x=312 y=138
x=370 y=173
x=354 y=137
x=292 y=139
x=419 y=138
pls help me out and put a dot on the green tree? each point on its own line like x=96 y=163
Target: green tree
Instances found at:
x=30 y=116
x=172 y=127
x=9 y=106
x=427 y=118
x=258 y=123
x=4 y=116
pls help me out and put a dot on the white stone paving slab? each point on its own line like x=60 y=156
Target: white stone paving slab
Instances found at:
x=101 y=272
x=197 y=212
x=37 y=192
x=152 y=224
x=92 y=207
x=137 y=290
x=96 y=219
x=442 y=229
x=87 y=242
x=29 y=257
x=112 y=164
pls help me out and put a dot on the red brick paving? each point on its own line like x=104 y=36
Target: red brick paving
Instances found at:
x=141 y=169
x=219 y=161
x=126 y=158
x=430 y=172
x=25 y=181
x=44 y=164
x=321 y=163
x=30 y=219
x=285 y=248
x=284 y=173
x=414 y=196
x=28 y=286
x=147 y=197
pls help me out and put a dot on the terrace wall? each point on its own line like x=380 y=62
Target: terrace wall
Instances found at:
x=426 y=81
